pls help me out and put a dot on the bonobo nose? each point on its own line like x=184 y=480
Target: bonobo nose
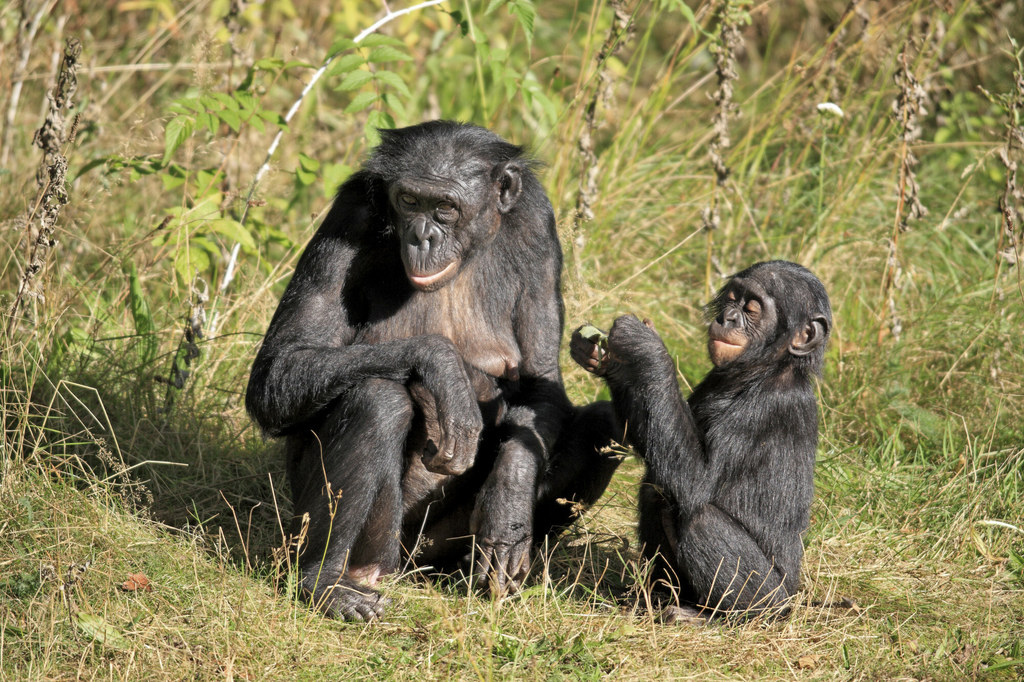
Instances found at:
x=732 y=315
x=424 y=230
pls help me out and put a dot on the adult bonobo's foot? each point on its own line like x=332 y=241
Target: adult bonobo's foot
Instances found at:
x=683 y=615
x=348 y=600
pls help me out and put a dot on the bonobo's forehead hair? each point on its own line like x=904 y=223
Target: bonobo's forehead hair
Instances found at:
x=441 y=149
x=798 y=294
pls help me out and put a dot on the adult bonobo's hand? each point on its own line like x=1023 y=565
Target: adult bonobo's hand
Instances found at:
x=458 y=413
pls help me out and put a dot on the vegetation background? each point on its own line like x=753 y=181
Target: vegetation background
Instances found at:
x=150 y=224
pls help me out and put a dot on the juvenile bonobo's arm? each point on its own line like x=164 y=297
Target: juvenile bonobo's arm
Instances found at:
x=308 y=358
x=659 y=423
x=503 y=516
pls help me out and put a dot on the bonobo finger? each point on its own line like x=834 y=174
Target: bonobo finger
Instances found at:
x=586 y=347
x=455 y=455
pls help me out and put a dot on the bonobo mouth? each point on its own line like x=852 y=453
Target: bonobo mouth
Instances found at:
x=722 y=351
x=432 y=281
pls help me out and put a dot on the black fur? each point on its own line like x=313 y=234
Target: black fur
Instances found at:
x=729 y=481
x=412 y=365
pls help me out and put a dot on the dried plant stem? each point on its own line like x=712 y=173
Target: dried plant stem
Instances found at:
x=589 y=167
x=27 y=28
x=908 y=105
x=188 y=345
x=729 y=15
x=50 y=178
x=1011 y=201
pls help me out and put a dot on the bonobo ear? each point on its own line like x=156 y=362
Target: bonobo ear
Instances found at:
x=810 y=337
x=510 y=186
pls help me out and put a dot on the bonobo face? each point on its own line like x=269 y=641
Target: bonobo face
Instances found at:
x=431 y=217
x=745 y=318
x=443 y=216
x=772 y=312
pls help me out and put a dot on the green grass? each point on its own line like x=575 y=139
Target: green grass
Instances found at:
x=108 y=470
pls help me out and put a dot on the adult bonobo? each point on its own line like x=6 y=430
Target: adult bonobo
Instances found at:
x=729 y=481
x=412 y=366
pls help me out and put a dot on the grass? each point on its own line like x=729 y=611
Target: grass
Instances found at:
x=127 y=453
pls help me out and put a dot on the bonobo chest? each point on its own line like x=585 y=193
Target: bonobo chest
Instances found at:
x=478 y=322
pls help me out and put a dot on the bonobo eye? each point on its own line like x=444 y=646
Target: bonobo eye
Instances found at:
x=753 y=307
x=446 y=211
x=407 y=200
x=731 y=295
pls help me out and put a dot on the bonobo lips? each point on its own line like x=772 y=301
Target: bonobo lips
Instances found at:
x=727 y=346
x=431 y=281
x=722 y=351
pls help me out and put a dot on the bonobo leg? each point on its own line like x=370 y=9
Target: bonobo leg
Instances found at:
x=349 y=483
x=579 y=471
x=576 y=475
x=721 y=567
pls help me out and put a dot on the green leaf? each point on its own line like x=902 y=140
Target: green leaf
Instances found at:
x=345 y=64
x=145 y=328
x=394 y=80
x=340 y=46
x=226 y=101
x=461 y=21
x=308 y=162
x=594 y=335
x=381 y=119
x=376 y=39
x=333 y=175
x=232 y=119
x=273 y=117
x=188 y=262
x=360 y=102
x=178 y=130
x=305 y=177
x=208 y=121
x=354 y=80
x=269 y=64
x=171 y=182
x=527 y=15
x=100 y=630
x=246 y=100
x=234 y=231
x=189 y=104
x=387 y=53
x=396 y=105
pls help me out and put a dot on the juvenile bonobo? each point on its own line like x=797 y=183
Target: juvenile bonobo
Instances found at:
x=412 y=366
x=729 y=474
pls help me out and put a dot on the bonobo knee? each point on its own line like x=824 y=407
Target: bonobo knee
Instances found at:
x=384 y=405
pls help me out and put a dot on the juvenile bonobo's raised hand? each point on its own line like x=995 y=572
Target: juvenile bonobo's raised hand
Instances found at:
x=603 y=354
